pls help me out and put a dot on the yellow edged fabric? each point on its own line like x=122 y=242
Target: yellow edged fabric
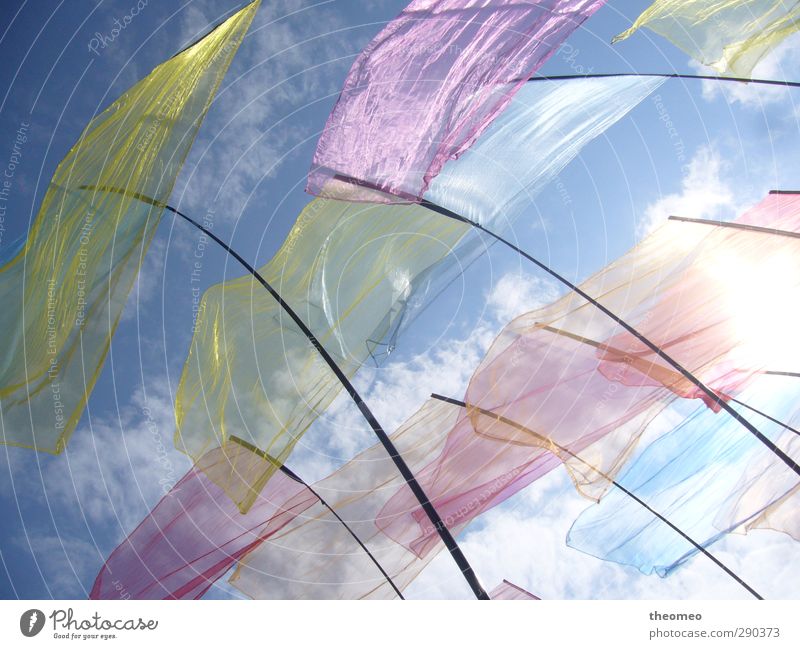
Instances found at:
x=731 y=36
x=349 y=270
x=64 y=292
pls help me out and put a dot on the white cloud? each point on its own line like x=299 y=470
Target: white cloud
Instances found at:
x=285 y=64
x=515 y=294
x=705 y=192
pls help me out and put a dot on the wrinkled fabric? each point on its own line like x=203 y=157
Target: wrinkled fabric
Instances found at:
x=65 y=289
x=234 y=382
x=543 y=129
x=708 y=476
x=428 y=85
x=508 y=591
x=731 y=36
x=195 y=534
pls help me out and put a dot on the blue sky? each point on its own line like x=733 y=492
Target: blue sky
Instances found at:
x=62 y=515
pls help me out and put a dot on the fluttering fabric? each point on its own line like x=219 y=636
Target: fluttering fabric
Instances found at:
x=348 y=270
x=64 y=291
x=505 y=590
x=196 y=533
x=567 y=381
x=314 y=557
x=428 y=85
x=708 y=476
x=529 y=144
x=544 y=128
x=731 y=36
x=250 y=372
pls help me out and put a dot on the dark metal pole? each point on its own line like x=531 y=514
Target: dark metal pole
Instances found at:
x=737 y=226
x=604 y=475
x=448 y=539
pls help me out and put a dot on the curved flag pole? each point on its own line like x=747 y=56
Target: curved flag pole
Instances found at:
x=293 y=476
x=448 y=539
x=689 y=376
x=604 y=475
x=795 y=375
x=419 y=493
x=701 y=77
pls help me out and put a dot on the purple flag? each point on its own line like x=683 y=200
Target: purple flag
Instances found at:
x=428 y=85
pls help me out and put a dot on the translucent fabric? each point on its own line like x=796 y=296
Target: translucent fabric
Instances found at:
x=348 y=270
x=508 y=591
x=549 y=389
x=692 y=475
x=529 y=144
x=730 y=311
x=767 y=485
x=315 y=557
x=64 y=291
x=428 y=85
x=309 y=280
x=195 y=534
x=728 y=35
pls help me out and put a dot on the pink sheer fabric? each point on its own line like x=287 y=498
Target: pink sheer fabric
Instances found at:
x=728 y=313
x=314 y=557
x=721 y=300
x=429 y=84
x=508 y=591
x=530 y=415
x=196 y=533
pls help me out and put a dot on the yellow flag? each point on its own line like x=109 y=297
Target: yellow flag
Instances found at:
x=350 y=271
x=64 y=291
x=731 y=36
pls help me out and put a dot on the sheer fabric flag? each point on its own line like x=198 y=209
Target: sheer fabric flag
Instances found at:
x=314 y=557
x=429 y=84
x=195 y=534
x=64 y=291
x=543 y=129
x=566 y=380
x=731 y=36
x=349 y=271
x=221 y=393
x=730 y=312
x=508 y=591
x=700 y=476
x=766 y=485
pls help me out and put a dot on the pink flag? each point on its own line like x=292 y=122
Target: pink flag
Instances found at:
x=428 y=85
x=196 y=533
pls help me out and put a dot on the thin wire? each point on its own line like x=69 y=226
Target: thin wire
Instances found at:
x=604 y=475
x=702 y=77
